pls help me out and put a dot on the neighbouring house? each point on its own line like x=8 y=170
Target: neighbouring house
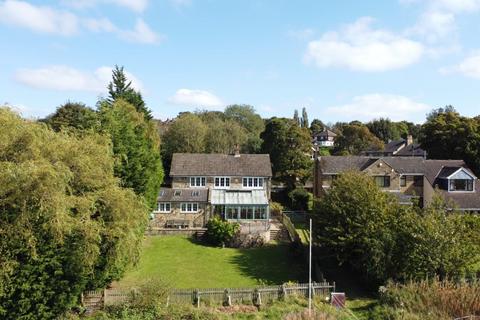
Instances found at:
x=326 y=138
x=399 y=148
x=235 y=187
x=411 y=179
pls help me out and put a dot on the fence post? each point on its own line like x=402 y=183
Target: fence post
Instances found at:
x=284 y=291
x=196 y=298
x=227 y=299
x=257 y=299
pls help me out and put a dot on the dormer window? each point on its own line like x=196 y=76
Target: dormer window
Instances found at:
x=459 y=179
x=461 y=185
x=177 y=193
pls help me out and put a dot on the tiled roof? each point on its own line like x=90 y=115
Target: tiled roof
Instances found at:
x=202 y=164
x=464 y=200
x=183 y=195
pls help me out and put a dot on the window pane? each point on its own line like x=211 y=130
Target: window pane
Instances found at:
x=217 y=182
x=386 y=182
x=227 y=182
x=167 y=207
x=403 y=181
x=250 y=182
x=189 y=207
x=255 y=182
x=203 y=181
x=198 y=182
x=260 y=182
x=250 y=213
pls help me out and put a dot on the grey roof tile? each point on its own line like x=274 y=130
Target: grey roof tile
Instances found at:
x=202 y=164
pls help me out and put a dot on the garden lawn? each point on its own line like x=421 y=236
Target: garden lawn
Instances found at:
x=184 y=263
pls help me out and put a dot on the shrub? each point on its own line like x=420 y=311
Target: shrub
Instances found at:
x=276 y=208
x=220 y=232
x=301 y=199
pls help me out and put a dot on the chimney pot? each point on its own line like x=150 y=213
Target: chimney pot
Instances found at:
x=409 y=139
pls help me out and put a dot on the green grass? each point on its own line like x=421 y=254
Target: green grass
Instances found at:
x=302 y=231
x=183 y=263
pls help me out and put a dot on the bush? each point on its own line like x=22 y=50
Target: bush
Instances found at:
x=276 y=208
x=220 y=232
x=301 y=199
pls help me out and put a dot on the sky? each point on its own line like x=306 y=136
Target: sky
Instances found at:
x=341 y=60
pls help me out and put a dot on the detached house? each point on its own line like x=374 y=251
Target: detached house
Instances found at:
x=326 y=138
x=399 y=148
x=411 y=179
x=235 y=187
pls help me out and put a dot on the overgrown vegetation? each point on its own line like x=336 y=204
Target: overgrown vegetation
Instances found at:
x=428 y=300
x=294 y=308
x=66 y=225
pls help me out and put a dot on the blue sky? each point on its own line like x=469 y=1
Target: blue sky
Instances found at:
x=342 y=60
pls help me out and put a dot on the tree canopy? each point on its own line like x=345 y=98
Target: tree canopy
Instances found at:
x=289 y=147
x=136 y=147
x=448 y=135
x=73 y=115
x=65 y=222
x=121 y=88
x=355 y=138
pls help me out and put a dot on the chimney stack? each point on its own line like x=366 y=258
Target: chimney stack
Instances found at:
x=409 y=139
x=237 y=151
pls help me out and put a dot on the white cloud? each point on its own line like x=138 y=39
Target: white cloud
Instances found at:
x=469 y=67
x=38 y=18
x=100 y=25
x=361 y=48
x=371 y=106
x=434 y=25
x=134 y=5
x=196 y=98
x=64 y=78
x=141 y=34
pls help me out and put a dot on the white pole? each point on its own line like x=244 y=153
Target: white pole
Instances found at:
x=310 y=272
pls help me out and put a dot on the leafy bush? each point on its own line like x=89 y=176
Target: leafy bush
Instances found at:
x=220 y=232
x=301 y=199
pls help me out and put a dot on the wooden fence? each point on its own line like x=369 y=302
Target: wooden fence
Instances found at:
x=95 y=300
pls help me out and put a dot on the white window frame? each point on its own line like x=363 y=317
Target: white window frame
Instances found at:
x=253 y=182
x=223 y=182
x=198 y=182
x=164 y=205
x=189 y=207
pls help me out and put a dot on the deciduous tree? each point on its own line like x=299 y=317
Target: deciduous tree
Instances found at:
x=65 y=223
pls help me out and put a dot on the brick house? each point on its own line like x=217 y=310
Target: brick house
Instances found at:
x=235 y=187
x=408 y=178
